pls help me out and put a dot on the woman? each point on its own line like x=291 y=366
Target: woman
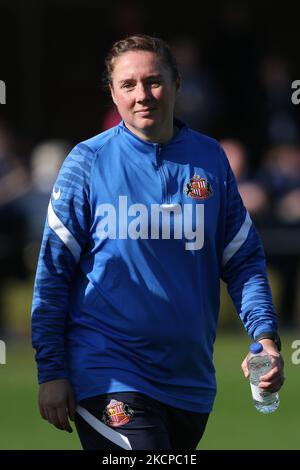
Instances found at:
x=143 y=221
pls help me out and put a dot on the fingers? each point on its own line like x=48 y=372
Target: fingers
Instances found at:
x=56 y=401
x=63 y=420
x=58 y=417
x=273 y=380
x=270 y=386
x=270 y=375
x=43 y=412
x=245 y=368
x=53 y=418
x=271 y=383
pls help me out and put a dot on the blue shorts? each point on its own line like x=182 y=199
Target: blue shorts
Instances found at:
x=134 y=421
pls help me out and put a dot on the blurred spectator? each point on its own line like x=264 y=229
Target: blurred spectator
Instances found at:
x=199 y=102
x=233 y=52
x=46 y=160
x=288 y=208
x=276 y=113
x=237 y=156
x=13 y=185
x=253 y=193
x=280 y=175
x=272 y=197
x=13 y=176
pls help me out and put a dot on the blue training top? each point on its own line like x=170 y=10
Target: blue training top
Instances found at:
x=127 y=287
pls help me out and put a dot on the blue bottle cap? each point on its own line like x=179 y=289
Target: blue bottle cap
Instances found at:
x=256 y=348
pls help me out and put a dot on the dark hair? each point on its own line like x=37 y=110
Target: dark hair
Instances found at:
x=139 y=42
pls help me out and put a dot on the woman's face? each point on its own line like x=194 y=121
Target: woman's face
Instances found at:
x=144 y=92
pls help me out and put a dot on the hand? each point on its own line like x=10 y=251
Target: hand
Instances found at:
x=273 y=380
x=57 y=403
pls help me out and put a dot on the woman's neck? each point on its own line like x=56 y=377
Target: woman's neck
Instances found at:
x=156 y=137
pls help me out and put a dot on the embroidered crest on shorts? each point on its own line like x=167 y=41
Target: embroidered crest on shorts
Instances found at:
x=117 y=414
x=198 y=188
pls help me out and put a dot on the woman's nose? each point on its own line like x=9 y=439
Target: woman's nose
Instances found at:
x=142 y=92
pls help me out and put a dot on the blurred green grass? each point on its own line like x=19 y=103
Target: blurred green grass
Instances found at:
x=234 y=423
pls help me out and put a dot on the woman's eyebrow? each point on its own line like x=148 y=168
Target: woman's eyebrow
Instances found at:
x=149 y=77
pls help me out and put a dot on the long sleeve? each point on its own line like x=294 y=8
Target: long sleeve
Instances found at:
x=244 y=266
x=65 y=237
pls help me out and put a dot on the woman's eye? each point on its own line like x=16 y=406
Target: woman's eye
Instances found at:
x=127 y=85
x=155 y=84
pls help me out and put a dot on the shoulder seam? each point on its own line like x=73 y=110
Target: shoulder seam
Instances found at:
x=95 y=155
x=106 y=142
x=100 y=147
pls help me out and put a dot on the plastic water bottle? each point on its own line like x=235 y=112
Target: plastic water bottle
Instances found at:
x=260 y=363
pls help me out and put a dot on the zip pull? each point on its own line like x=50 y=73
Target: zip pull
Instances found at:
x=159 y=149
x=158 y=153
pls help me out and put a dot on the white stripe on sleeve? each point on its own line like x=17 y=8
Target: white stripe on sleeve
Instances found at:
x=103 y=429
x=63 y=233
x=238 y=240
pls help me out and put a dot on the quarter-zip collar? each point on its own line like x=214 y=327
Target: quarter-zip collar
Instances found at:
x=152 y=149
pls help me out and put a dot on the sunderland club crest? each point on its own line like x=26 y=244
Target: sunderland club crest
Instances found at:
x=198 y=188
x=117 y=414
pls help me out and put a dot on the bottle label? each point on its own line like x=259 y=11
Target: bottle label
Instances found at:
x=258 y=394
